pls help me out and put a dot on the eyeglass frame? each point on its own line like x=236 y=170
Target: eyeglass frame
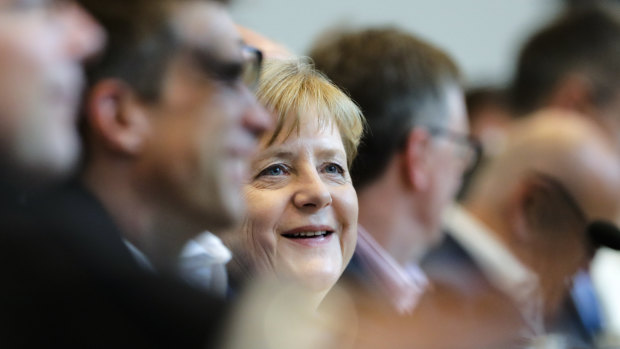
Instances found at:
x=462 y=140
x=251 y=81
x=247 y=70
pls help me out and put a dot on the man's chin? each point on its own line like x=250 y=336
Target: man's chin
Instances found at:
x=41 y=164
x=229 y=217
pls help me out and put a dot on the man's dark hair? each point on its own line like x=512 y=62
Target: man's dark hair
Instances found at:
x=139 y=47
x=479 y=98
x=397 y=80
x=140 y=42
x=585 y=40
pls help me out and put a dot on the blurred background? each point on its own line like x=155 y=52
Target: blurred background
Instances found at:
x=482 y=35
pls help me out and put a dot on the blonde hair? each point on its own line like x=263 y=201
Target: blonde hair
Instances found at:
x=290 y=88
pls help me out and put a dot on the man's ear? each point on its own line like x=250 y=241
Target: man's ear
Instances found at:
x=541 y=205
x=574 y=92
x=116 y=117
x=518 y=209
x=416 y=159
x=533 y=200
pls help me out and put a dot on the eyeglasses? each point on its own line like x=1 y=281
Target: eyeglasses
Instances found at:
x=468 y=148
x=247 y=70
x=252 y=63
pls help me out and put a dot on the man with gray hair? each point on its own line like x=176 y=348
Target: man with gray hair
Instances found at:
x=412 y=157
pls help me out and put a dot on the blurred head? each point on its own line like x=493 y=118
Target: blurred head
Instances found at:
x=489 y=117
x=573 y=64
x=557 y=172
x=42 y=45
x=172 y=96
x=268 y=47
x=410 y=94
x=302 y=208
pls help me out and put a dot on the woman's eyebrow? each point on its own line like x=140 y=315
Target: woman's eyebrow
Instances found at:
x=330 y=152
x=275 y=154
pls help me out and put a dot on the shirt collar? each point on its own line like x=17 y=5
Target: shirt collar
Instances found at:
x=491 y=255
x=498 y=264
x=140 y=257
x=403 y=286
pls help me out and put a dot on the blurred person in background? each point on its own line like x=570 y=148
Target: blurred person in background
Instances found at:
x=572 y=64
x=269 y=48
x=301 y=224
x=411 y=158
x=521 y=232
x=489 y=116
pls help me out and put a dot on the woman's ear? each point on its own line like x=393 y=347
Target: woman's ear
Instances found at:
x=116 y=116
x=416 y=156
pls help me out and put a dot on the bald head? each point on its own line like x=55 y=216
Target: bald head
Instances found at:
x=564 y=146
x=557 y=172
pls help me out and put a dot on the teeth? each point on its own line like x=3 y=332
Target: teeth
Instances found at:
x=308 y=234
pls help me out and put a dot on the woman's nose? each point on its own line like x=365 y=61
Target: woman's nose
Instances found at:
x=312 y=192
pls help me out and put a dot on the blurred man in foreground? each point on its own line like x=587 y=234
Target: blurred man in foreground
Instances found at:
x=161 y=122
x=40 y=85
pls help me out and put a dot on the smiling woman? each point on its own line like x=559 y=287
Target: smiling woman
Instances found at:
x=301 y=224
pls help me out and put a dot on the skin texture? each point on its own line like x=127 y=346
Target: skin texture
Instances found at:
x=42 y=44
x=301 y=180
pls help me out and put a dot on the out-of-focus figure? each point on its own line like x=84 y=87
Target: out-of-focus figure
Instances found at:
x=521 y=231
x=269 y=48
x=168 y=142
x=41 y=82
x=411 y=158
x=170 y=123
x=489 y=115
x=573 y=64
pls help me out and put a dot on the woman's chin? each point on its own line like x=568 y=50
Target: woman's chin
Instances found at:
x=316 y=284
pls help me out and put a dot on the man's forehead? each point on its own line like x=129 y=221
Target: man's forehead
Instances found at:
x=207 y=26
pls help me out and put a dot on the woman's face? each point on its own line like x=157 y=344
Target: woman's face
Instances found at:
x=302 y=208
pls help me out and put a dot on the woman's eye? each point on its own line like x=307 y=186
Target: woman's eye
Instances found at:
x=274 y=170
x=334 y=169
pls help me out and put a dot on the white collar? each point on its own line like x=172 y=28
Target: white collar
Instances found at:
x=402 y=285
x=140 y=257
x=502 y=268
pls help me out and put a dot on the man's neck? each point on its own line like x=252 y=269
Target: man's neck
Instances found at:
x=155 y=231
x=387 y=212
x=110 y=182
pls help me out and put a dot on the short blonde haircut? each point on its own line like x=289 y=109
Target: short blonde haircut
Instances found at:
x=290 y=88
